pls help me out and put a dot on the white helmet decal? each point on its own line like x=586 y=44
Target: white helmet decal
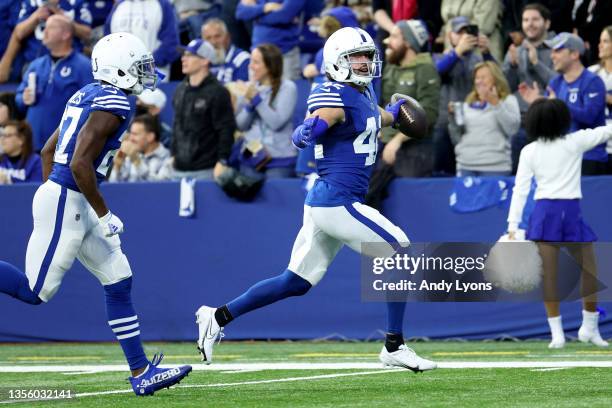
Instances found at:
x=337 y=56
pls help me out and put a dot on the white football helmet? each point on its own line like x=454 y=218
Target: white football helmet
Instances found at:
x=337 y=56
x=122 y=60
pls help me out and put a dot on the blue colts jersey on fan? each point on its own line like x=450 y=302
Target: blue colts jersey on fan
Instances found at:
x=346 y=153
x=92 y=97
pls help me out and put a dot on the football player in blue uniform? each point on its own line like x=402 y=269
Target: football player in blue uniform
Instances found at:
x=71 y=219
x=343 y=123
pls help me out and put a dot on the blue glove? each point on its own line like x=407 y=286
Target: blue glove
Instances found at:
x=303 y=135
x=393 y=109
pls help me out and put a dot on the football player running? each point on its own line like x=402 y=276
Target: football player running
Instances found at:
x=343 y=124
x=71 y=218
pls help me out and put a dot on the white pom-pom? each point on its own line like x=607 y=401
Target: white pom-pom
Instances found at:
x=514 y=265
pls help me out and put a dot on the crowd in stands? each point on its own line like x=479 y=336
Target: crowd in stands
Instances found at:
x=474 y=65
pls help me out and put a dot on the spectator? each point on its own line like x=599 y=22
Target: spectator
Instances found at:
x=58 y=75
x=604 y=70
x=8 y=109
x=456 y=67
x=531 y=61
x=18 y=163
x=142 y=157
x=193 y=13
x=152 y=103
x=331 y=21
x=204 y=124
x=275 y=22
x=154 y=22
x=234 y=65
x=265 y=114
x=28 y=34
x=411 y=72
x=486 y=14
x=582 y=90
x=590 y=18
x=491 y=115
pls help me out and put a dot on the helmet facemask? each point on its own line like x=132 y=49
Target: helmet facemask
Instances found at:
x=346 y=61
x=144 y=71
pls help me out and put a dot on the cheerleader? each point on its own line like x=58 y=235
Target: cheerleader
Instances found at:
x=554 y=158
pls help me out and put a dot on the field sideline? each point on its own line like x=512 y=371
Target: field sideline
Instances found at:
x=304 y=374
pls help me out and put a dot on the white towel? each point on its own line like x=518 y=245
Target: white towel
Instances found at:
x=187 y=199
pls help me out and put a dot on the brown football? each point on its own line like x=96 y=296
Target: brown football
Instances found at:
x=412 y=120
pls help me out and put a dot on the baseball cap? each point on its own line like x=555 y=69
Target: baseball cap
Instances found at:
x=345 y=16
x=156 y=98
x=415 y=32
x=202 y=49
x=459 y=22
x=566 y=40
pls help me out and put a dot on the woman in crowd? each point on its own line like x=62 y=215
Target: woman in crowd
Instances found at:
x=18 y=163
x=481 y=127
x=554 y=161
x=265 y=113
x=604 y=70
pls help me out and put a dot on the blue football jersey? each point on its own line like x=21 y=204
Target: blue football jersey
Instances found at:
x=92 y=97
x=346 y=153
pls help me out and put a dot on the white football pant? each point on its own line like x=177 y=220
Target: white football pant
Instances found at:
x=65 y=228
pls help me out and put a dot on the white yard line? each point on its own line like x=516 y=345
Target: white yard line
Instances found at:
x=74 y=369
x=550 y=369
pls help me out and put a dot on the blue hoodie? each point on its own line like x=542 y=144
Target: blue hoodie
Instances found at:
x=55 y=84
x=278 y=27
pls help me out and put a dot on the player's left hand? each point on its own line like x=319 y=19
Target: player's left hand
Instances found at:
x=393 y=109
x=111 y=224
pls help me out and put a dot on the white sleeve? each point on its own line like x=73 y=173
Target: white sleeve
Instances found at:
x=508 y=116
x=589 y=138
x=522 y=185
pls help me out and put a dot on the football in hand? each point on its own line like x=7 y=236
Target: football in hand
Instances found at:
x=411 y=120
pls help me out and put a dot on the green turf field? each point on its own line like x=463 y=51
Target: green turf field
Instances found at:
x=329 y=374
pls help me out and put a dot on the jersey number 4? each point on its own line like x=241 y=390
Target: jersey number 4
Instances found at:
x=366 y=142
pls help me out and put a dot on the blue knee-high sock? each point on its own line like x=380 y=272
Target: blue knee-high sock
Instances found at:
x=269 y=291
x=395 y=317
x=124 y=322
x=13 y=282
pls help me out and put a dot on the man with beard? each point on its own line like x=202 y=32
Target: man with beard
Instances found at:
x=234 y=62
x=408 y=71
x=531 y=61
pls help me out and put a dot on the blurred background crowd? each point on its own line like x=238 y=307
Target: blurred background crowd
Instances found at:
x=238 y=74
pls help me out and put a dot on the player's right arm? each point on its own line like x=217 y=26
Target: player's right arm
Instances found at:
x=315 y=125
x=47 y=153
x=90 y=141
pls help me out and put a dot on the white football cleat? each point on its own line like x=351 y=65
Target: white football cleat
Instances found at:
x=405 y=357
x=557 y=343
x=591 y=336
x=209 y=331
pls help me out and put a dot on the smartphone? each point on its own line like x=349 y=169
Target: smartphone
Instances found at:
x=472 y=29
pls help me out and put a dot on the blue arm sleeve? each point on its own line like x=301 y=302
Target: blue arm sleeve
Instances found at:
x=593 y=103
x=446 y=61
x=244 y=12
x=286 y=14
x=166 y=53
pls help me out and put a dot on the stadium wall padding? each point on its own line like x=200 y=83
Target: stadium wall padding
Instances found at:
x=180 y=264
